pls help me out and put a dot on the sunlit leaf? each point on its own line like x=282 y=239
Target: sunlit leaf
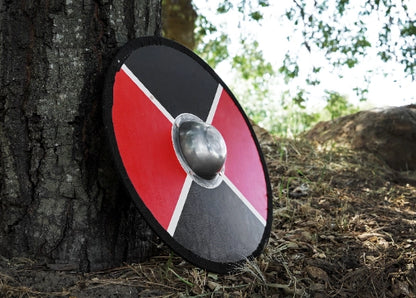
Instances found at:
x=256 y=15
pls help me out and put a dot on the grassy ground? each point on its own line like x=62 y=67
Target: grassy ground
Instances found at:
x=344 y=226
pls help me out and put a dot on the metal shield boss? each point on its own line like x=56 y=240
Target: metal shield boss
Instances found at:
x=187 y=154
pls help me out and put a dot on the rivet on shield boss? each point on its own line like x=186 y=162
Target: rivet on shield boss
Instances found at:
x=187 y=154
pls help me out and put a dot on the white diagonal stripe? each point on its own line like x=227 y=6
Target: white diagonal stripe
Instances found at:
x=147 y=92
x=214 y=104
x=244 y=200
x=179 y=205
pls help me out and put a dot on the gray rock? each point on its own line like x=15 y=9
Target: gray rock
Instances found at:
x=389 y=133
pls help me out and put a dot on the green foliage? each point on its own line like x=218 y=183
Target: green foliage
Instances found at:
x=299 y=99
x=225 y=7
x=290 y=69
x=329 y=26
x=338 y=30
x=338 y=105
x=256 y=15
x=251 y=64
x=285 y=117
x=245 y=8
x=211 y=44
x=252 y=72
x=214 y=51
x=290 y=119
x=293 y=121
x=252 y=77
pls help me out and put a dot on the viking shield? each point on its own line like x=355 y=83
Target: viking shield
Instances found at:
x=187 y=154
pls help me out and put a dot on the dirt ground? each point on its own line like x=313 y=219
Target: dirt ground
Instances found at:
x=344 y=226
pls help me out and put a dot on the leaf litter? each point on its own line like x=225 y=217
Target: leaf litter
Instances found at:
x=343 y=226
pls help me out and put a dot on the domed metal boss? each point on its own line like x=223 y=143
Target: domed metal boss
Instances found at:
x=200 y=149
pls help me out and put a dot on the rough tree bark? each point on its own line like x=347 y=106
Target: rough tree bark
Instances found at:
x=61 y=201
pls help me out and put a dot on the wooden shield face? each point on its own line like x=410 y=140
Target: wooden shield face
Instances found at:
x=151 y=84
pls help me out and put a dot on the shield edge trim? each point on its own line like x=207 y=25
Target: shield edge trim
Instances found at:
x=191 y=257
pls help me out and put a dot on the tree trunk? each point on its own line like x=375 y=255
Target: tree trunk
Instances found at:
x=61 y=200
x=179 y=18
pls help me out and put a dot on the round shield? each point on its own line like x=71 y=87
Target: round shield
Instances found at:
x=187 y=154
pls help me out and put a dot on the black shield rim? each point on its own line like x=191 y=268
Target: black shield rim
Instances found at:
x=191 y=257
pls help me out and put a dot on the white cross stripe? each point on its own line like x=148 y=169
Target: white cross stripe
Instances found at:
x=179 y=205
x=214 y=104
x=147 y=93
x=244 y=200
x=188 y=180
